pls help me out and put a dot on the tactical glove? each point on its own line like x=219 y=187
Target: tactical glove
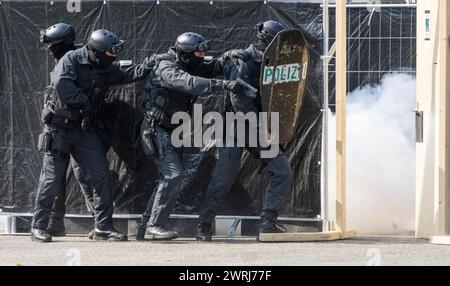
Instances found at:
x=240 y=87
x=237 y=54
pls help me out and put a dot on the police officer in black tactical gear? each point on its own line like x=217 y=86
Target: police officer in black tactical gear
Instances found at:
x=247 y=65
x=60 y=39
x=179 y=77
x=81 y=79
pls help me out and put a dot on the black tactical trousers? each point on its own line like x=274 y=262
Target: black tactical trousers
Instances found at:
x=88 y=151
x=59 y=207
x=148 y=211
x=163 y=200
x=225 y=173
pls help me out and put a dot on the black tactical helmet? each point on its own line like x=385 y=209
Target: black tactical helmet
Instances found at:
x=266 y=32
x=57 y=34
x=105 y=41
x=191 y=42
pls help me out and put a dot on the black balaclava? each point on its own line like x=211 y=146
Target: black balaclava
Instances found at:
x=261 y=44
x=100 y=58
x=59 y=50
x=191 y=60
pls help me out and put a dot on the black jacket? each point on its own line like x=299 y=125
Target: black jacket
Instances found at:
x=77 y=80
x=249 y=70
x=173 y=87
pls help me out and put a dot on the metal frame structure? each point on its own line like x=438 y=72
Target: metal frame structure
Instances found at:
x=328 y=54
x=11 y=218
x=328 y=223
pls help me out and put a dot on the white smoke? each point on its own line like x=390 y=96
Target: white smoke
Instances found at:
x=380 y=156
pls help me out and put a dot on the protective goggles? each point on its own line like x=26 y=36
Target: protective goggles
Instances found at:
x=202 y=47
x=116 y=48
x=43 y=38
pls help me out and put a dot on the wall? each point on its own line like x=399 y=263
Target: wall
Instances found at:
x=432 y=155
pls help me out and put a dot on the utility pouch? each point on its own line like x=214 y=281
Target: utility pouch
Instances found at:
x=50 y=99
x=45 y=141
x=147 y=139
x=148 y=144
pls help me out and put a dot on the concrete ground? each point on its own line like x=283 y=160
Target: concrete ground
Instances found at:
x=76 y=250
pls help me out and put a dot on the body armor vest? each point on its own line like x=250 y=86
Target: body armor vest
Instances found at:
x=162 y=103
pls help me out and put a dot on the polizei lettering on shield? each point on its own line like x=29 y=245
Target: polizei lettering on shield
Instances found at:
x=283 y=73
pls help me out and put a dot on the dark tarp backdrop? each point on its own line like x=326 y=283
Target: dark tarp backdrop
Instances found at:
x=148 y=27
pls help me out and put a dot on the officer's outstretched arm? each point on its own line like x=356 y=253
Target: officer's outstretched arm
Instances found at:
x=217 y=66
x=63 y=78
x=124 y=72
x=213 y=67
x=173 y=77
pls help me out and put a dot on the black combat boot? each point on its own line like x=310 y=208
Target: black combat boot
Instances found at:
x=269 y=223
x=56 y=227
x=112 y=235
x=141 y=228
x=161 y=233
x=40 y=235
x=204 y=231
